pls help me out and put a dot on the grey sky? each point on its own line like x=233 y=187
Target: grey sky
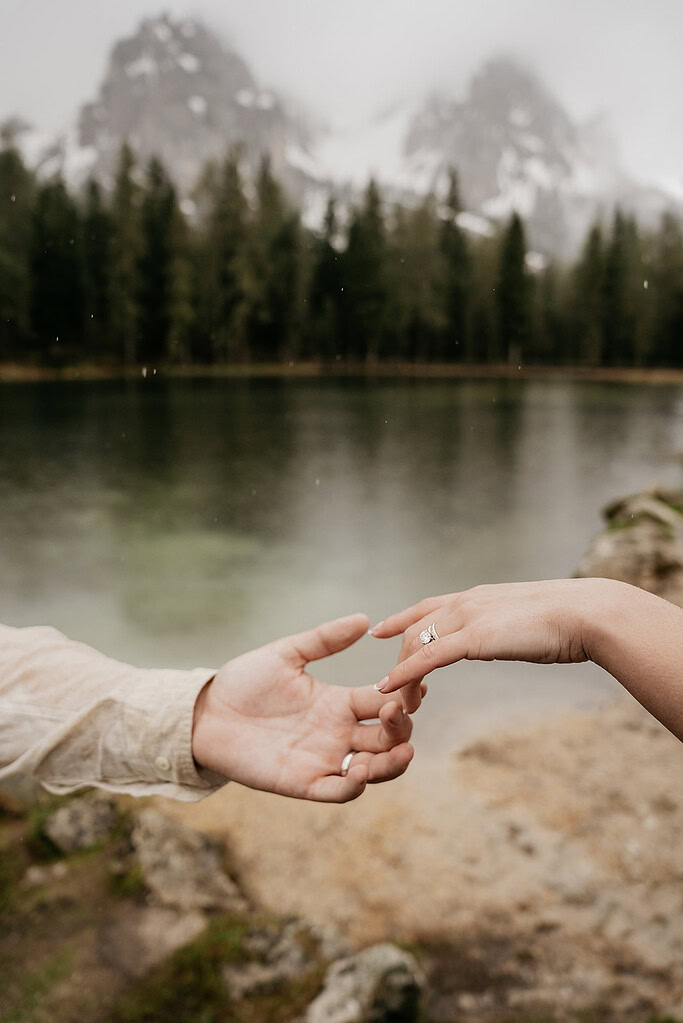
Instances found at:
x=349 y=57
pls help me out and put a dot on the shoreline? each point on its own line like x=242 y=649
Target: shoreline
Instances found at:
x=88 y=372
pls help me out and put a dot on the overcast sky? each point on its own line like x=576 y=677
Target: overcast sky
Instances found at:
x=347 y=58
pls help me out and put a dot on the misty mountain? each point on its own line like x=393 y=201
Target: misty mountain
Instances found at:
x=174 y=90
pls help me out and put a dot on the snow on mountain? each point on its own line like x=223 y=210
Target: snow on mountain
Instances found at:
x=515 y=149
x=173 y=90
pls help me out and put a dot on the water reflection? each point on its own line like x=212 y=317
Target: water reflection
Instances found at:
x=183 y=521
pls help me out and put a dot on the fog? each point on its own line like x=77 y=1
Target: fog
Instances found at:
x=349 y=58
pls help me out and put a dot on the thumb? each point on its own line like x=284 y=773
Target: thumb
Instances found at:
x=328 y=638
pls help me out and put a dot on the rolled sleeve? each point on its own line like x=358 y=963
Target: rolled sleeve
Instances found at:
x=72 y=718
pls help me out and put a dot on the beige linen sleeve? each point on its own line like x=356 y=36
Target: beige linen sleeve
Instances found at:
x=72 y=717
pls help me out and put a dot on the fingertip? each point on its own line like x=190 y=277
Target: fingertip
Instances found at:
x=358 y=774
x=359 y=622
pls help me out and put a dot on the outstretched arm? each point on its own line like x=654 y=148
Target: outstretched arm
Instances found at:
x=636 y=636
x=72 y=717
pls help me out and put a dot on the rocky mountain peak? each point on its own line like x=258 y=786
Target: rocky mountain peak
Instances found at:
x=174 y=90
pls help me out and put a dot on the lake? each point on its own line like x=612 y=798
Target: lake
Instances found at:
x=180 y=522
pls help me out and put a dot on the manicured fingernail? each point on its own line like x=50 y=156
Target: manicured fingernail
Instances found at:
x=379 y=686
x=371 y=632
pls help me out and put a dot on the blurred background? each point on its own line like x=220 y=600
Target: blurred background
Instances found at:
x=309 y=308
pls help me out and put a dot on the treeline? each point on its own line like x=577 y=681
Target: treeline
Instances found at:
x=125 y=277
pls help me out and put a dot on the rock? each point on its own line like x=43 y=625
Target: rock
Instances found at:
x=642 y=545
x=36 y=875
x=331 y=945
x=82 y=823
x=381 y=984
x=281 y=955
x=145 y=936
x=182 y=867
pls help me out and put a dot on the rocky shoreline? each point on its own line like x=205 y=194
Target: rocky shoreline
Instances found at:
x=533 y=878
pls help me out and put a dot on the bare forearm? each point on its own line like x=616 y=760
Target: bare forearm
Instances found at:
x=638 y=638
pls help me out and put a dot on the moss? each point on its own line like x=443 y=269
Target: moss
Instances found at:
x=11 y=867
x=39 y=844
x=35 y=985
x=189 y=984
x=128 y=885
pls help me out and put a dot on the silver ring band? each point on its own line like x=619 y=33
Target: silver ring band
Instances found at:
x=346 y=762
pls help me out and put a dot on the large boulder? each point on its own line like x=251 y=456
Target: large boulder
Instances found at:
x=642 y=544
x=181 y=867
x=381 y=984
x=81 y=823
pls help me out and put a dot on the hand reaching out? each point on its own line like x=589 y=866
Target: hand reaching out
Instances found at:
x=634 y=635
x=265 y=722
x=539 y=622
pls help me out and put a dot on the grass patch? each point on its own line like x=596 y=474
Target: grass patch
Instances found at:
x=34 y=986
x=39 y=844
x=130 y=884
x=190 y=986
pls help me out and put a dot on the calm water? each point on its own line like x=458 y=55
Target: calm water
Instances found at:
x=181 y=522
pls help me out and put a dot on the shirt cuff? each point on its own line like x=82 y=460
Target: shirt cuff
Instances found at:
x=158 y=716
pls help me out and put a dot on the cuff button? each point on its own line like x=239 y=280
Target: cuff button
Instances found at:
x=162 y=764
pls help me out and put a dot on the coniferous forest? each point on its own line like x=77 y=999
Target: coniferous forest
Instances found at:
x=123 y=277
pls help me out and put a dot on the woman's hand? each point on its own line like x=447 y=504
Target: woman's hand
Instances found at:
x=543 y=622
x=264 y=722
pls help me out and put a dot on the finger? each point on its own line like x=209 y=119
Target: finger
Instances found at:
x=326 y=639
x=394 y=728
x=412 y=697
x=366 y=702
x=386 y=766
x=396 y=725
x=333 y=788
x=433 y=655
x=399 y=622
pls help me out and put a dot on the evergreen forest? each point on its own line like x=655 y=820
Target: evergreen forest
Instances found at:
x=124 y=277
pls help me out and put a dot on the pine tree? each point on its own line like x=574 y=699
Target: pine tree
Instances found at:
x=618 y=324
x=160 y=335
x=275 y=288
x=457 y=277
x=326 y=290
x=16 y=198
x=57 y=299
x=666 y=288
x=416 y=317
x=364 y=303
x=125 y=255
x=513 y=294
x=221 y=265
x=586 y=296
x=97 y=239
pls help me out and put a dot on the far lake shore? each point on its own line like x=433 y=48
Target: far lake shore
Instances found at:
x=11 y=372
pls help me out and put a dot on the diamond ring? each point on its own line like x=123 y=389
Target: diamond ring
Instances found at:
x=429 y=635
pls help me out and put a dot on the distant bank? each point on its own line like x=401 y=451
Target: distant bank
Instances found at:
x=18 y=373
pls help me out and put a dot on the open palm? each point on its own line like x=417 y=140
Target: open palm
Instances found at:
x=265 y=722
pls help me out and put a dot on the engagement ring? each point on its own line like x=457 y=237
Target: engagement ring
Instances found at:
x=429 y=635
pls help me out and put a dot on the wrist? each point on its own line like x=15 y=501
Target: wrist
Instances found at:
x=199 y=725
x=605 y=617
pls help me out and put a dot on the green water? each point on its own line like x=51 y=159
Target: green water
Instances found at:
x=181 y=522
